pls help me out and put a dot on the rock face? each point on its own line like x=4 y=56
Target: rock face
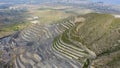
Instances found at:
x=91 y=40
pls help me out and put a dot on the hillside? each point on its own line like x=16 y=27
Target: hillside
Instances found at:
x=85 y=41
x=96 y=39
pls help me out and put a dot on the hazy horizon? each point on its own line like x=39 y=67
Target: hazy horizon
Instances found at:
x=112 y=2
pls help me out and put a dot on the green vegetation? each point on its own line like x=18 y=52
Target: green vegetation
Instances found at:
x=46 y=9
x=116 y=23
x=49 y=16
x=12 y=28
x=86 y=64
x=11 y=21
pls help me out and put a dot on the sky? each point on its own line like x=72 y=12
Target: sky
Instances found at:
x=108 y=1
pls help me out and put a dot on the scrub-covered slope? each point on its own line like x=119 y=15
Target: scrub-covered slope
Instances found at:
x=94 y=41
